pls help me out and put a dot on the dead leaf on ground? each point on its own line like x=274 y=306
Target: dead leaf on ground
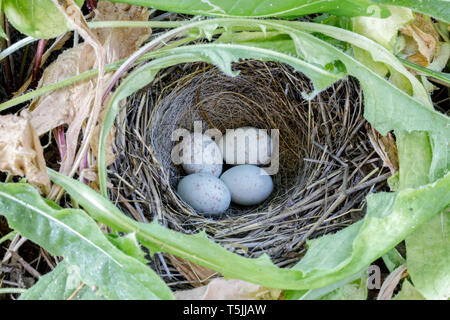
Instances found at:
x=421 y=40
x=221 y=289
x=385 y=147
x=21 y=152
x=391 y=282
x=72 y=105
x=120 y=43
x=197 y=275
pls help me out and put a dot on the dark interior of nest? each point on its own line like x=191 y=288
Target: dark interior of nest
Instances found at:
x=327 y=163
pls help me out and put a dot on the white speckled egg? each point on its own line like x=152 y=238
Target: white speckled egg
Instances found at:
x=248 y=184
x=246 y=145
x=201 y=155
x=205 y=193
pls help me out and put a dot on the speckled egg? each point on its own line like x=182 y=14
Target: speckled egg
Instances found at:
x=248 y=184
x=246 y=145
x=205 y=193
x=201 y=155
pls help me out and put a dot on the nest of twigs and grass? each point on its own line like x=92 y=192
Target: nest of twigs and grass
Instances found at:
x=327 y=164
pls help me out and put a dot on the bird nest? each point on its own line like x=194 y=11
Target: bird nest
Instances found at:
x=327 y=165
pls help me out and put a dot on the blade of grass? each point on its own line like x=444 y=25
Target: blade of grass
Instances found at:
x=442 y=76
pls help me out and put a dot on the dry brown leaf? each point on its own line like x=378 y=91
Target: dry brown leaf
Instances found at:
x=422 y=40
x=391 y=282
x=120 y=43
x=21 y=152
x=419 y=59
x=73 y=105
x=385 y=147
x=197 y=275
x=70 y=105
x=221 y=289
x=56 y=46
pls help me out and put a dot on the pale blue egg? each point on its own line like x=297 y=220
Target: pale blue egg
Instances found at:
x=205 y=193
x=201 y=155
x=248 y=184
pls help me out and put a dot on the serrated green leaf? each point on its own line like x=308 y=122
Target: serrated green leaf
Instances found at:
x=294 y=8
x=383 y=31
x=428 y=258
x=438 y=9
x=351 y=247
x=128 y=244
x=262 y=8
x=36 y=18
x=73 y=235
x=390 y=218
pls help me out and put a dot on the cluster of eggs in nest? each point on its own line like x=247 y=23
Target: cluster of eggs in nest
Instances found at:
x=210 y=191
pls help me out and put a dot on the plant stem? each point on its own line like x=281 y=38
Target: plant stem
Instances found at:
x=442 y=76
x=6 y=63
x=91 y=4
x=16 y=46
x=37 y=63
x=8 y=236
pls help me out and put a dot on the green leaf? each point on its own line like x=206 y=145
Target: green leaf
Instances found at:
x=73 y=235
x=428 y=257
x=128 y=244
x=415 y=157
x=393 y=259
x=358 y=245
x=294 y=8
x=334 y=288
x=356 y=290
x=383 y=31
x=386 y=111
x=262 y=8
x=443 y=76
x=390 y=218
x=62 y=283
x=408 y=292
x=438 y=9
x=2 y=33
x=37 y=18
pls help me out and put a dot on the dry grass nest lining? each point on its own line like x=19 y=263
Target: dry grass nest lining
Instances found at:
x=327 y=165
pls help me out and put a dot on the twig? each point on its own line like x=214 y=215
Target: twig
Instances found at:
x=26 y=265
